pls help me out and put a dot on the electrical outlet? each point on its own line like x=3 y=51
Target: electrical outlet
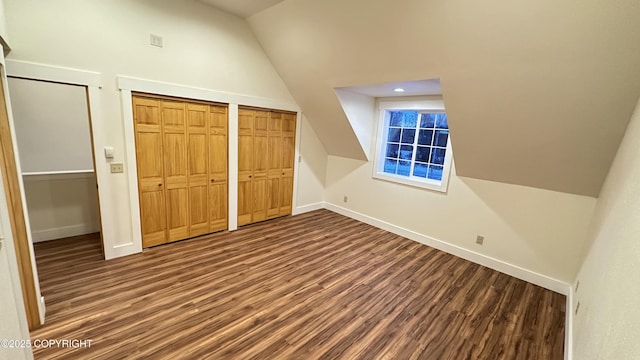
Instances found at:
x=155 y=40
x=479 y=239
x=577 y=307
x=345 y=199
x=117 y=168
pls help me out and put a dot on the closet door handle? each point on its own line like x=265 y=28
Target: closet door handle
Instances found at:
x=159 y=184
x=213 y=180
x=249 y=176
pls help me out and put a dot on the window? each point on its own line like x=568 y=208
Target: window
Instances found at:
x=413 y=145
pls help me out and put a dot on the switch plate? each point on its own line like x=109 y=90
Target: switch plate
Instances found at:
x=108 y=152
x=117 y=168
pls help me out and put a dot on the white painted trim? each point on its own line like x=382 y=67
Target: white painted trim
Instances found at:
x=308 y=208
x=189 y=92
x=568 y=325
x=7 y=246
x=35 y=71
x=58 y=176
x=232 y=174
x=93 y=82
x=132 y=170
x=124 y=249
x=103 y=172
x=36 y=279
x=64 y=231
x=481 y=259
x=296 y=162
x=433 y=104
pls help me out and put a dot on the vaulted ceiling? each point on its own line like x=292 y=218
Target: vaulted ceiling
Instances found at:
x=538 y=93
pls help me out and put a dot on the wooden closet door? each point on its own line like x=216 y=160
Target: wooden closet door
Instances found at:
x=218 y=158
x=198 y=169
x=288 y=161
x=175 y=171
x=150 y=164
x=260 y=166
x=274 y=173
x=245 y=165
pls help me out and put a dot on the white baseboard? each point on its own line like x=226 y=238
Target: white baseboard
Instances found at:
x=122 y=250
x=484 y=260
x=307 y=208
x=63 y=232
x=568 y=326
x=42 y=309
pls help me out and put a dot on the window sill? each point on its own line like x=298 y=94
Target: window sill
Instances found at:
x=439 y=186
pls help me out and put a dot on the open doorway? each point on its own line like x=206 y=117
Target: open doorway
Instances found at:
x=54 y=140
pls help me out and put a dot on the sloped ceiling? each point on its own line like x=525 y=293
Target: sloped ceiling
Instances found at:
x=538 y=93
x=241 y=8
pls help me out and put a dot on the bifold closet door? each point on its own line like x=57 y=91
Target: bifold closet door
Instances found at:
x=288 y=161
x=218 y=159
x=175 y=171
x=252 y=165
x=266 y=146
x=197 y=129
x=181 y=150
x=150 y=164
x=274 y=174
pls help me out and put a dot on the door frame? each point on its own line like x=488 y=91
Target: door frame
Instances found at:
x=13 y=189
x=92 y=82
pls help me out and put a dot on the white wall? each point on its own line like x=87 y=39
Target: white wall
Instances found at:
x=3 y=22
x=606 y=325
x=52 y=126
x=312 y=169
x=359 y=110
x=62 y=205
x=203 y=48
x=538 y=230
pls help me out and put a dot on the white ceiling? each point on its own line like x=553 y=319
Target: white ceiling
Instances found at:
x=411 y=88
x=242 y=8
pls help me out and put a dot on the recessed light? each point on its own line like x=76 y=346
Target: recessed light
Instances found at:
x=398 y=90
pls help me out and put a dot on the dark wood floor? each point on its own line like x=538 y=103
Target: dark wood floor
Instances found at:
x=314 y=286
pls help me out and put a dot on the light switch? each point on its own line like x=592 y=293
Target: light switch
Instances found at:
x=108 y=152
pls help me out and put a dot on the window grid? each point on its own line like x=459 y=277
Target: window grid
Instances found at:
x=431 y=146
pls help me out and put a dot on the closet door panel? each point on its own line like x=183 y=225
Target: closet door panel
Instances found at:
x=245 y=200
x=273 y=197
x=175 y=171
x=274 y=172
x=198 y=173
x=153 y=218
x=288 y=162
x=286 y=192
x=150 y=167
x=218 y=201
x=245 y=165
x=259 y=192
x=199 y=210
x=218 y=165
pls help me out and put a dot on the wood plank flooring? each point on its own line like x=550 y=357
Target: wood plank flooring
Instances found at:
x=313 y=286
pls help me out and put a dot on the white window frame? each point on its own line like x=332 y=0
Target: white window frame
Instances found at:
x=384 y=109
